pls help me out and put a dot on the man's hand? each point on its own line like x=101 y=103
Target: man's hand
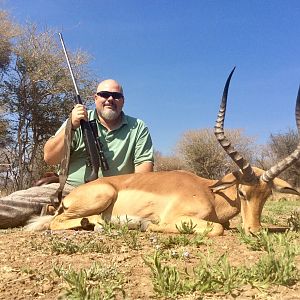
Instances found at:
x=79 y=112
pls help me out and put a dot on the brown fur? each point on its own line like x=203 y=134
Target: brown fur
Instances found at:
x=166 y=199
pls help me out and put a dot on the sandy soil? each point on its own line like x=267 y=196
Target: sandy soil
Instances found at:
x=27 y=262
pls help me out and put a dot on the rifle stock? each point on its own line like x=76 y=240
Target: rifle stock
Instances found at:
x=95 y=154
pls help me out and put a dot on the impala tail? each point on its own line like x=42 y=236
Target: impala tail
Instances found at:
x=39 y=223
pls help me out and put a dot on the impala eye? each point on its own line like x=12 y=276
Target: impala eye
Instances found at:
x=241 y=194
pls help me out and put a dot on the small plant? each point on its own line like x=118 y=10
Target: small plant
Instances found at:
x=201 y=236
x=119 y=226
x=107 y=228
x=65 y=245
x=132 y=239
x=174 y=240
x=97 y=282
x=166 y=279
x=182 y=240
x=34 y=245
x=220 y=276
x=270 y=219
x=226 y=275
x=187 y=227
x=256 y=242
x=122 y=227
x=278 y=265
x=275 y=268
x=263 y=240
x=27 y=270
x=71 y=245
x=294 y=220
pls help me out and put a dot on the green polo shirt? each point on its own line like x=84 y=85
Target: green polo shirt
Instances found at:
x=124 y=148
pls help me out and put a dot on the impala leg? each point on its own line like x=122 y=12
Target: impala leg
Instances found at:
x=201 y=226
x=88 y=202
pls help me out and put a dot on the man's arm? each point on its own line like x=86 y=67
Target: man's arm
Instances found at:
x=144 y=160
x=144 y=167
x=53 y=148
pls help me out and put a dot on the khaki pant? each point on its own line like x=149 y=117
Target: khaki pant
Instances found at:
x=17 y=208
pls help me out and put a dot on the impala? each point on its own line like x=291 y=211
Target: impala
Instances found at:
x=162 y=201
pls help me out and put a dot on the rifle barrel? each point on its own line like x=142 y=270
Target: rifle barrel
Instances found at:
x=68 y=62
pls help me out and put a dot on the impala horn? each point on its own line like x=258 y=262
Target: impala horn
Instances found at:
x=248 y=173
x=290 y=159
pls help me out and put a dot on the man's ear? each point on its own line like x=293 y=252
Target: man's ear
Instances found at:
x=225 y=182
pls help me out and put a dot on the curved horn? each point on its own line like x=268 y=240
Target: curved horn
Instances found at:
x=245 y=167
x=289 y=160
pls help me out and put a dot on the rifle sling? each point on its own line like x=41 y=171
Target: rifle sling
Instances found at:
x=64 y=164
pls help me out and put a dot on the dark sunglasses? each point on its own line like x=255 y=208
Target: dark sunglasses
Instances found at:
x=106 y=95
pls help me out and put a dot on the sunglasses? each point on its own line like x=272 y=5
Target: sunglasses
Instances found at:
x=106 y=95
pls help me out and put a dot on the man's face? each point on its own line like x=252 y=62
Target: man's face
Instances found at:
x=109 y=100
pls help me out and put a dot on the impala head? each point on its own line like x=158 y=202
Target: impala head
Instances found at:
x=253 y=185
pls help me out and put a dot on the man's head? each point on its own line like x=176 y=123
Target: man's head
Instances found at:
x=109 y=100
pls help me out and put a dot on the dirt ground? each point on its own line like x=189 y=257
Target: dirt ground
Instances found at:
x=27 y=262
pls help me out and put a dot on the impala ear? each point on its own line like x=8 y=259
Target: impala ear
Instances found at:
x=282 y=186
x=286 y=190
x=226 y=182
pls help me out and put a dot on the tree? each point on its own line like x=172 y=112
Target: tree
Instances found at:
x=8 y=30
x=201 y=153
x=280 y=146
x=37 y=92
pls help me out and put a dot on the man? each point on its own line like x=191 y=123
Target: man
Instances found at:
x=127 y=146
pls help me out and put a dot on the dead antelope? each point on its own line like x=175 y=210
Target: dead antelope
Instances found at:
x=161 y=201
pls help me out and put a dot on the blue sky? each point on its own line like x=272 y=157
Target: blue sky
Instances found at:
x=173 y=58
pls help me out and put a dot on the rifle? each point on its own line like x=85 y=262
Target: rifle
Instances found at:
x=91 y=139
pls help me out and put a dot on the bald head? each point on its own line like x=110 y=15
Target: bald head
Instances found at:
x=110 y=85
x=109 y=102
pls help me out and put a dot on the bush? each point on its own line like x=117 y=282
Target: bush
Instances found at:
x=200 y=152
x=278 y=147
x=167 y=163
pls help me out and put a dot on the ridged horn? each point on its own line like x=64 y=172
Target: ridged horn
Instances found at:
x=289 y=160
x=248 y=173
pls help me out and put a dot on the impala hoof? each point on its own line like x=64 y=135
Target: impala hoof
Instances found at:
x=86 y=225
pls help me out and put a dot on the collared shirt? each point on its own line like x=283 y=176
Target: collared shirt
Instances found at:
x=124 y=148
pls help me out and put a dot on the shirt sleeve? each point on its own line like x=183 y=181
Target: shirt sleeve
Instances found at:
x=61 y=127
x=143 y=146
